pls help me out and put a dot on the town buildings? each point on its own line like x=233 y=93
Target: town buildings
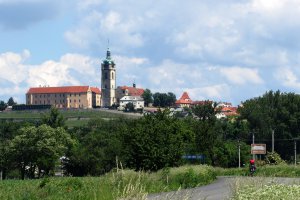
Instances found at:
x=224 y=109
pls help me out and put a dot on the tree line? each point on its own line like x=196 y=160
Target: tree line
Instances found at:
x=152 y=142
x=10 y=102
x=158 y=99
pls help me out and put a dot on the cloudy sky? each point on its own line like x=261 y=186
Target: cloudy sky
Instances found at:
x=219 y=50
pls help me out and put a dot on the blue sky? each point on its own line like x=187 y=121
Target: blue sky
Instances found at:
x=219 y=50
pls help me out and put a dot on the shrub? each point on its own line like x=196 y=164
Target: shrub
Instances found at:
x=273 y=158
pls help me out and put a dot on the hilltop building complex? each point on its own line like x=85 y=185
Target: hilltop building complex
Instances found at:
x=86 y=96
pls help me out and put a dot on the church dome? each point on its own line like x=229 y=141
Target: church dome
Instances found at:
x=108 y=60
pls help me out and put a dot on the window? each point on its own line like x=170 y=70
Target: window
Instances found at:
x=105 y=75
x=70 y=100
x=112 y=75
x=75 y=94
x=79 y=100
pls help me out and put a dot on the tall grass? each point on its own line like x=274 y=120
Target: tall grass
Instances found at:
x=264 y=189
x=120 y=184
x=266 y=170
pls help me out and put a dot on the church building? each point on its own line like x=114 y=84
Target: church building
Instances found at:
x=108 y=81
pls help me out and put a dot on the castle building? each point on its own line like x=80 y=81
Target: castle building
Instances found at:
x=108 y=81
x=64 y=97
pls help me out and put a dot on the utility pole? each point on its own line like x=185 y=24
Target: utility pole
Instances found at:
x=239 y=153
x=253 y=137
x=295 y=150
x=272 y=140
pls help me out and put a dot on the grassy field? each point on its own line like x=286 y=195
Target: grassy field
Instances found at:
x=121 y=184
x=73 y=117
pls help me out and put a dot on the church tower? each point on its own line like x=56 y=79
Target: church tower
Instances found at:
x=108 y=81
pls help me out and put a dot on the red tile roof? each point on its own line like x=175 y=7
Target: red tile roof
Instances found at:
x=64 y=89
x=95 y=90
x=133 y=91
x=184 y=99
x=229 y=111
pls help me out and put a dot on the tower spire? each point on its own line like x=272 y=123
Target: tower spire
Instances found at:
x=108 y=51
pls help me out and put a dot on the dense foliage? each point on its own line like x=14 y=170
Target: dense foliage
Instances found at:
x=278 y=112
x=164 y=99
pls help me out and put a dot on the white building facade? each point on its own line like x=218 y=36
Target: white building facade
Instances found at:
x=137 y=101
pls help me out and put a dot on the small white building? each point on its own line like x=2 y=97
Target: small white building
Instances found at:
x=137 y=101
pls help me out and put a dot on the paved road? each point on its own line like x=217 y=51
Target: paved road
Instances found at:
x=218 y=190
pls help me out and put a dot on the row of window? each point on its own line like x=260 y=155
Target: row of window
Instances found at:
x=55 y=95
x=74 y=100
x=48 y=101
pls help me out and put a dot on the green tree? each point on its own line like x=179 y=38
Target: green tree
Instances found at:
x=54 y=118
x=274 y=111
x=8 y=130
x=147 y=96
x=155 y=141
x=164 y=99
x=207 y=132
x=11 y=102
x=3 y=105
x=98 y=146
x=39 y=148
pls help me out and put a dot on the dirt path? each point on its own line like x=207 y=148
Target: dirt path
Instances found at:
x=218 y=190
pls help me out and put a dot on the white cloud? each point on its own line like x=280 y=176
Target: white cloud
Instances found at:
x=171 y=75
x=219 y=92
x=240 y=76
x=11 y=67
x=287 y=77
x=50 y=73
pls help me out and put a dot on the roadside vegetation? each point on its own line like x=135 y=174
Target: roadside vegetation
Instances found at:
x=264 y=189
x=118 y=184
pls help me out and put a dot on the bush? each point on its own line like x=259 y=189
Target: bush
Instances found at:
x=273 y=158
